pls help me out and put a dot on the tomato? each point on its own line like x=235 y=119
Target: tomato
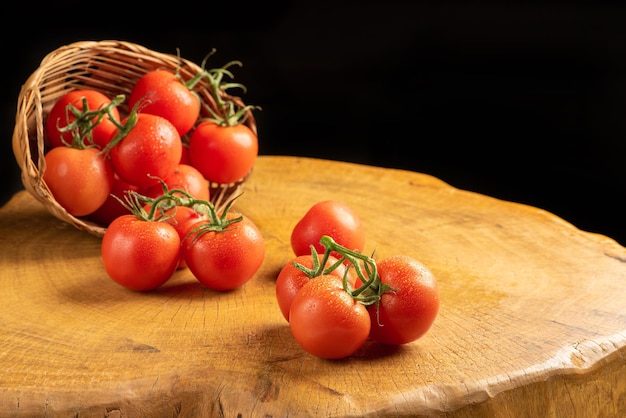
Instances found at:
x=326 y=321
x=112 y=208
x=332 y=218
x=290 y=279
x=225 y=260
x=184 y=177
x=80 y=179
x=407 y=313
x=140 y=254
x=60 y=116
x=223 y=154
x=152 y=147
x=163 y=93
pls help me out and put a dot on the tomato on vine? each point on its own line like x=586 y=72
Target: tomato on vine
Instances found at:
x=86 y=115
x=326 y=320
x=224 y=252
x=139 y=251
x=297 y=272
x=222 y=147
x=399 y=294
x=408 y=309
x=164 y=93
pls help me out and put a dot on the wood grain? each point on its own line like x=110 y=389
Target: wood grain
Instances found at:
x=532 y=319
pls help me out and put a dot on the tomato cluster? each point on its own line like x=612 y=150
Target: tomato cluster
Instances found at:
x=96 y=152
x=145 y=174
x=335 y=297
x=142 y=250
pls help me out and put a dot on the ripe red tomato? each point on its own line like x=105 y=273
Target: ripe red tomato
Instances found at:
x=152 y=147
x=60 y=117
x=290 y=279
x=408 y=312
x=332 y=218
x=184 y=177
x=112 y=208
x=225 y=260
x=80 y=179
x=139 y=254
x=164 y=94
x=223 y=154
x=326 y=321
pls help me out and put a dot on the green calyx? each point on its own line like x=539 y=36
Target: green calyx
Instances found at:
x=85 y=120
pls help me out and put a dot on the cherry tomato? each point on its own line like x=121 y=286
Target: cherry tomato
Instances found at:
x=150 y=151
x=80 y=179
x=332 y=218
x=223 y=154
x=184 y=177
x=163 y=93
x=407 y=313
x=225 y=260
x=326 y=321
x=60 y=116
x=112 y=208
x=290 y=279
x=139 y=254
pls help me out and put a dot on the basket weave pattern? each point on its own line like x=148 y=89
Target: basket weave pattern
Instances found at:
x=111 y=67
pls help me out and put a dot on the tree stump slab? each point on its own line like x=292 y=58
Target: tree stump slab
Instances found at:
x=532 y=319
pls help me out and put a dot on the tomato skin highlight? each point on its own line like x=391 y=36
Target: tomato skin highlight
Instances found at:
x=151 y=148
x=140 y=255
x=290 y=280
x=80 y=179
x=326 y=321
x=407 y=313
x=332 y=218
x=163 y=94
x=228 y=259
x=223 y=154
x=59 y=117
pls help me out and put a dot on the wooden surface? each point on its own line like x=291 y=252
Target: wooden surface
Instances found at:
x=532 y=319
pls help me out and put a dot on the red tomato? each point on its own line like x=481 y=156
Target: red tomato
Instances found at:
x=227 y=259
x=326 y=321
x=332 y=218
x=60 y=117
x=80 y=179
x=223 y=154
x=164 y=94
x=408 y=312
x=138 y=254
x=291 y=279
x=112 y=208
x=151 y=148
x=184 y=177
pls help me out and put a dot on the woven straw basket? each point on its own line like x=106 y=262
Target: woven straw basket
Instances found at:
x=111 y=67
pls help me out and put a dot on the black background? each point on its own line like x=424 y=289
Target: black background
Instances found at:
x=524 y=102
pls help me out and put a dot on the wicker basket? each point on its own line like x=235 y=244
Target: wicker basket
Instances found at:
x=111 y=67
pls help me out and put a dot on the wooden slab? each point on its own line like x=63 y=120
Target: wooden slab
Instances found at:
x=532 y=319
